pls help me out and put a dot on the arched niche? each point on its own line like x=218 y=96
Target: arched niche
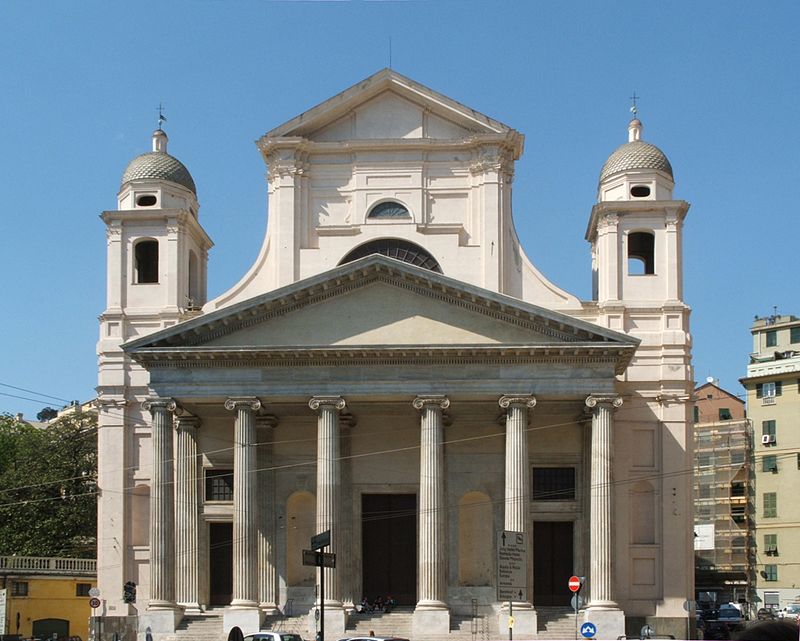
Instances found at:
x=301 y=509
x=475 y=553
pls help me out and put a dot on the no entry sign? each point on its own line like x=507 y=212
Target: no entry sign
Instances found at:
x=574 y=583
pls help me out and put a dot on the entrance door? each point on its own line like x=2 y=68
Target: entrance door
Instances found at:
x=220 y=553
x=552 y=562
x=389 y=546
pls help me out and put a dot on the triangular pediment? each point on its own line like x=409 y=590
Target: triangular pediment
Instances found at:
x=388 y=105
x=374 y=305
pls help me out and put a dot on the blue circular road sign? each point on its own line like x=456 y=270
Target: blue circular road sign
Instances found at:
x=588 y=630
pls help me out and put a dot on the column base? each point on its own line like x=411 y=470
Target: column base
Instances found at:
x=191 y=608
x=430 y=618
x=525 y=621
x=247 y=619
x=609 y=621
x=335 y=620
x=269 y=609
x=160 y=622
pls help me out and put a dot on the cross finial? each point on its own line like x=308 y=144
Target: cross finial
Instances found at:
x=161 y=117
x=634 y=108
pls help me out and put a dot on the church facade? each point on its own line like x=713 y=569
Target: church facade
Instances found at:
x=394 y=369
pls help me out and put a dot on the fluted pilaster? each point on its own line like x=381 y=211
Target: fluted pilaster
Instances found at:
x=187 y=507
x=245 y=529
x=329 y=483
x=601 y=574
x=267 y=576
x=517 y=474
x=432 y=508
x=162 y=506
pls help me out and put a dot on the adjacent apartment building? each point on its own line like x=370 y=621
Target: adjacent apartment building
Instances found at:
x=723 y=487
x=773 y=402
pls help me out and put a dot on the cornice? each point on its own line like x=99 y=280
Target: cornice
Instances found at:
x=614 y=355
x=620 y=208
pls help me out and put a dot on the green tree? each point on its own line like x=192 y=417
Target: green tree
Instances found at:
x=48 y=502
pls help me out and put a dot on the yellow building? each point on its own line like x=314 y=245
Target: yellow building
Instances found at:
x=773 y=405
x=46 y=596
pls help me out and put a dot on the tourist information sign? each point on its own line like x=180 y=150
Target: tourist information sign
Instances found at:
x=512 y=566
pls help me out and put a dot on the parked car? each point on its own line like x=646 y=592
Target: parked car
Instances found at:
x=765 y=614
x=273 y=636
x=791 y=611
x=730 y=614
x=373 y=639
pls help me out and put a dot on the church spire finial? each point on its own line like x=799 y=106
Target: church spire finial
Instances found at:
x=634 y=107
x=159 y=135
x=635 y=125
x=161 y=117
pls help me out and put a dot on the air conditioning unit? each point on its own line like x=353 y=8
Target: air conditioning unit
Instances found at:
x=767 y=439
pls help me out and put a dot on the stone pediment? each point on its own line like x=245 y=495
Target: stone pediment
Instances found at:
x=378 y=306
x=390 y=106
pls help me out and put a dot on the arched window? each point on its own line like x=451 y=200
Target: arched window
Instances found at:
x=395 y=248
x=389 y=209
x=641 y=253
x=146 y=261
x=475 y=530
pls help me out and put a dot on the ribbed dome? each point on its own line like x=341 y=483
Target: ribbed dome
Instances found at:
x=635 y=155
x=159 y=165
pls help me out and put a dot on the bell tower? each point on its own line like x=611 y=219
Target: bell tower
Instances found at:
x=636 y=227
x=157 y=256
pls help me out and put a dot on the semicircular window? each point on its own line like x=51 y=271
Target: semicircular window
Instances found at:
x=389 y=209
x=395 y=248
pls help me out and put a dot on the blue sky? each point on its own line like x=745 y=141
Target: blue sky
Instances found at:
x=81 y=82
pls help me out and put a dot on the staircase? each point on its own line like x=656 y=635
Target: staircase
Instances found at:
x=200 y=627
x=399 y=622
x=556 y=622
x=297 y=624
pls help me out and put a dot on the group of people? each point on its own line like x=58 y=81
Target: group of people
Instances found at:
x=380 y=604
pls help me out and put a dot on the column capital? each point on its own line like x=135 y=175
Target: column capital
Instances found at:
x=157 y=403
x=431 y=399
x=266 y=421
x=614 y=400
x=248 y=402
x=187 y=422
x=321 y=401
x=528 y=400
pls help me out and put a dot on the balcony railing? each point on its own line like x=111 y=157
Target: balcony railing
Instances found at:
x=47 y=565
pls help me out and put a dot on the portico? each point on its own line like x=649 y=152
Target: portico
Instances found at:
x=471 y=399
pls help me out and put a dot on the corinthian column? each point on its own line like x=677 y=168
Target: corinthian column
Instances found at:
x=245 y=527
x=162 y=506
x=601 y=569
x=517 y=476
x=187 y=506
x=329 y=484
x=432 y=509
x=267 y=577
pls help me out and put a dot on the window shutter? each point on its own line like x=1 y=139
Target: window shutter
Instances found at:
x=778 y=388
x=759 y=390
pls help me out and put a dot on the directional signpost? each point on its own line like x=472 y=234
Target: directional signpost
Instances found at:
x=588 y=630
x=512 y=572
x=321 y=560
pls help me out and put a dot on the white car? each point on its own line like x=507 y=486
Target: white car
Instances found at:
x=791 y=611
x=273 y=636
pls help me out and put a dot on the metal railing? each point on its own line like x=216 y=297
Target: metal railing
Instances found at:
x=47 y=565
